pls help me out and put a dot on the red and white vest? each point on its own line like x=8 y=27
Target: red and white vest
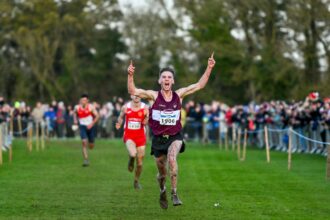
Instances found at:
x=133 y=127
x=85 y=115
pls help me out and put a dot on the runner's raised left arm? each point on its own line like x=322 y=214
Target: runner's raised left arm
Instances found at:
x=201 y=83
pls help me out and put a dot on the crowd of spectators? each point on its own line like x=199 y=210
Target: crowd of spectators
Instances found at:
x=57 y=118
x=202 y=122
x=309 y=119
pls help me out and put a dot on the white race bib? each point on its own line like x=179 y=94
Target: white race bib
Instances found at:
x=86 y=121
x=167 y=118
x=134 y=125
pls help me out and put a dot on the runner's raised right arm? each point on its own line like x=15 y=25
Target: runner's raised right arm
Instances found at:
x=144 y=94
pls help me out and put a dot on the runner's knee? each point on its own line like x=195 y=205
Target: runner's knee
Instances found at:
x=173 y=171
x=139 y=161
x=174 y=151
x=160 y=164
x=173 y=167
x=141 y=151
x=131 y=148
x=173 y=174
x=132 y=154
x=171 y=159
x=161 y=176
x=84 y=143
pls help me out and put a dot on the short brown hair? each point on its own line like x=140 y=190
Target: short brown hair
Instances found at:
x=165 y=69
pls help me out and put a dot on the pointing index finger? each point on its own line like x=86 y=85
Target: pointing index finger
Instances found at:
x=212 y=54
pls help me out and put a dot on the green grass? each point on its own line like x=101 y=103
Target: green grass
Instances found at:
x=51 y=184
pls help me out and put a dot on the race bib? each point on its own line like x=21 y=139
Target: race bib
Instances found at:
x=86 y=121
x=134 y=125
x=167 y=118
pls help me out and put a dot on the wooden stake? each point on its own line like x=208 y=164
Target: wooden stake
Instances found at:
x=11 y=133
x=204 y=133
x=267 y=144
x=244 y=146
x=47 y=131
x=239 y=144
x=1 y=143
x=30 y=136
x=233 y=138
x=219 y=139
x=42 y=136
x=19 y=122
x=289 y=150
x=226 y=140
x=37 y=136
x=328 y=164
x=12 y=124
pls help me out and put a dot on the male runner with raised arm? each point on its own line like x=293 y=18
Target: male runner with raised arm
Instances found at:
x=164 y=122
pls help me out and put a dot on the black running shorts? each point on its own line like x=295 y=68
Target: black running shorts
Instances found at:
x=161 y=143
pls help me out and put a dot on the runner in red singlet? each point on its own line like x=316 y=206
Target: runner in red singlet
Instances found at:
x=87 y=117
x=136 y=116
x=165 y=124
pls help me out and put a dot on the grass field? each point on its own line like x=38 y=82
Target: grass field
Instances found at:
x=53 y=185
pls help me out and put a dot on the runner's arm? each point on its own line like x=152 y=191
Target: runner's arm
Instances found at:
x=121 y=117
x=146 y=115
x=144 y=94
x=201 y=83
x=96 y=115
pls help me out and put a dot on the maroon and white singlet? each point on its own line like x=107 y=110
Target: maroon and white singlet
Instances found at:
x=165 y=117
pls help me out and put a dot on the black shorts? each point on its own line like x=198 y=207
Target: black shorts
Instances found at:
x=87 y=133
x=161 y=143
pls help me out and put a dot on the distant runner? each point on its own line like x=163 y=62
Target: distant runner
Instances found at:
x=87 y=117
x=136 y=116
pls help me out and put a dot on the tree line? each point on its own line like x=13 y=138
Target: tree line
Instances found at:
x=265 y=49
